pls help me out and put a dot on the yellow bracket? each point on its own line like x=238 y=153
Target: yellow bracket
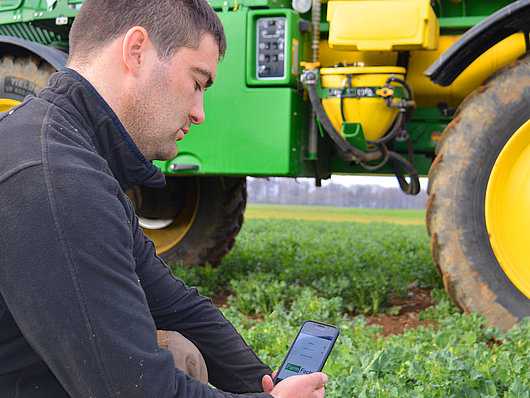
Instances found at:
x=310 y=65
x=385 y=92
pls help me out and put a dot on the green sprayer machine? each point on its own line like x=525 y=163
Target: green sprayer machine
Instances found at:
x=312 y=88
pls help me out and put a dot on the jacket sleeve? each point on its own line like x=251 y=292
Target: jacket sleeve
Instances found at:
x=232 y=365
x=70 y=282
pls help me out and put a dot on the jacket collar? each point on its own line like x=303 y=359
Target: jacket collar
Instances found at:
x=128 y=165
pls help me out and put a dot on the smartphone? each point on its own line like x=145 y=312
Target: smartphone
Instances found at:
x=309 y=351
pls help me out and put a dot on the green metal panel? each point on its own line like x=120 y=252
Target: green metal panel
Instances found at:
x=254 y=127
x=467 y=8
x=35 y=33
x=226 y=5
x=248 y=130
x=15 y=11
x=6 y=5
x=292 y=40
x=425 y=130
x=422 y=163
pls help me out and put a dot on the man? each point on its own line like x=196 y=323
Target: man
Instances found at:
x=82 y=292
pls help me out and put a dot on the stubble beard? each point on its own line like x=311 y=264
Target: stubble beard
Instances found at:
x=143 y=122
x=135 y=122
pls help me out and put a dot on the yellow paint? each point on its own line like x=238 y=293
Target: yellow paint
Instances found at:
x=167 y=238
x=508 y=211
x=6 y=104
x=372 y=112
x=427 y=94
x=310 y=65
x=371 y=25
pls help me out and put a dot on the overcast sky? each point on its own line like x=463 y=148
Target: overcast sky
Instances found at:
x=390 y=181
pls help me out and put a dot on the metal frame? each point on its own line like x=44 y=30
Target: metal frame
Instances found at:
x=511 y=19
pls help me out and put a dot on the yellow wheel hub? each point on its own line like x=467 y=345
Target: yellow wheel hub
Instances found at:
x=508 y=208
x=171 y=232
x=6 y=104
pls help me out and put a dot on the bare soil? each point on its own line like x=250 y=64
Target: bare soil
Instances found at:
x=220 y=300
x=416 y=301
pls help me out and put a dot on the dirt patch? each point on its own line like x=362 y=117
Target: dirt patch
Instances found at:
x=220 y=300
x=416 y=301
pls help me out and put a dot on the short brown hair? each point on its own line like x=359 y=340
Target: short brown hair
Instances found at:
x=170 y=24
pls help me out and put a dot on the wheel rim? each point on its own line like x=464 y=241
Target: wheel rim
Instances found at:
x=167 y=233
x=6 y=104
x=507 y=208
x=159 y=223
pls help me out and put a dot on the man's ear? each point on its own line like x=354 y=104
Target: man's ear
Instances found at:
x=137 y=50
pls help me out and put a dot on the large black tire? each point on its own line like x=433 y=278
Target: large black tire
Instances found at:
x=458 y=179
x=204 y=217
x=22 y=76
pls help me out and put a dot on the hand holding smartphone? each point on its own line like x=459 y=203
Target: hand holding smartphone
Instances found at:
x=309 y=351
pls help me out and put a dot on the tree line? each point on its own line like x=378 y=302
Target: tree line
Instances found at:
x=304 y=192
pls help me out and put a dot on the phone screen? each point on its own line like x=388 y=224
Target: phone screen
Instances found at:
x=309 y=351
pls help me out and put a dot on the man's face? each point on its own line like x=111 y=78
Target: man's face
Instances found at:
x=162 y=108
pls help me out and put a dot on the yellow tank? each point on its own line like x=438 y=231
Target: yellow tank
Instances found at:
x=427 y=94
x=367 y=109
x=368 y=31
x=371 y=25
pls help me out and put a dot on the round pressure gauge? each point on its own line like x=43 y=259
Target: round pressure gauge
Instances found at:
x=301 y=6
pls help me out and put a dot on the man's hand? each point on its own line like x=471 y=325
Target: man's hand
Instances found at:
x=310 y=386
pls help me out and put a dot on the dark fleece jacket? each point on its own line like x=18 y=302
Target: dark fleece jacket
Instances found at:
x=82 y=291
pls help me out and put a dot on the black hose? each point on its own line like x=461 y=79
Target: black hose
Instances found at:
x=407 y=87
x=348 y=77
x=398 y=163
x=391 y=132
x=342 y=106
x=350 y=153
x=380 y=165
x=356 y=154
x=409 y=102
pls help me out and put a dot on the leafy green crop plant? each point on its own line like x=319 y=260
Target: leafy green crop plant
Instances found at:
x=283 y=272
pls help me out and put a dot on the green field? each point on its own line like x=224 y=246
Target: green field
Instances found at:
x=327 y=213
x=284 y=271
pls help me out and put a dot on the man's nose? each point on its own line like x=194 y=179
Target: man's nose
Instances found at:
x=197 y=112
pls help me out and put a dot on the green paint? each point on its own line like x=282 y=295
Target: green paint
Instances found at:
x=353 y=132
x=255 y=126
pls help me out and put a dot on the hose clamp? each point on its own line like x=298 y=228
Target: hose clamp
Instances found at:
x=310 y=73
